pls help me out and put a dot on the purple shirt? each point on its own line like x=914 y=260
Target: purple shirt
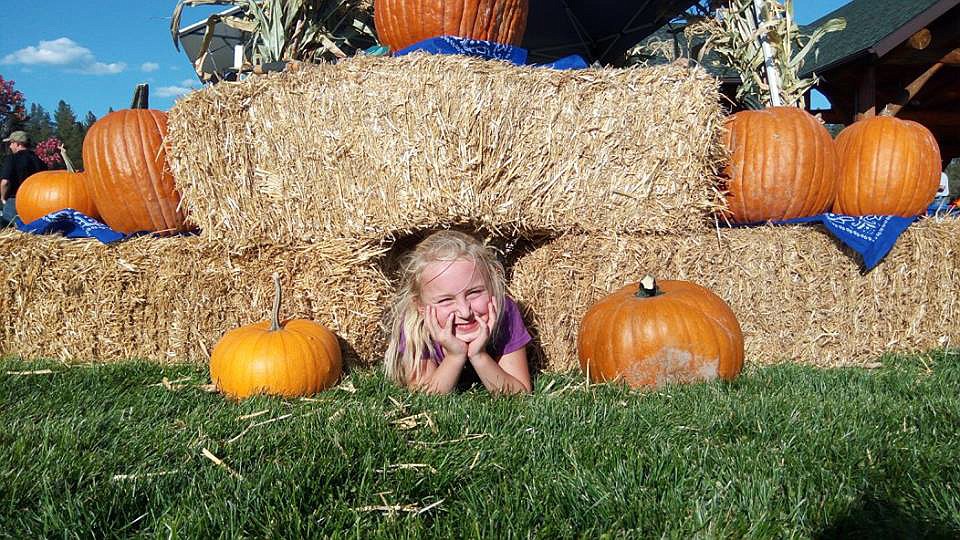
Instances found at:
x=512 y=336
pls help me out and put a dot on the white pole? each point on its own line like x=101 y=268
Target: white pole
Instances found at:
x=773 y=76
x=238 y=56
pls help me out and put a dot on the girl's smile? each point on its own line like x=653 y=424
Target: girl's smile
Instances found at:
x=460 y=329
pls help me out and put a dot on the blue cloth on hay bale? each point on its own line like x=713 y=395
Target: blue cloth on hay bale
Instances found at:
x=870 y=236
x=74 y=224
x=487 y=50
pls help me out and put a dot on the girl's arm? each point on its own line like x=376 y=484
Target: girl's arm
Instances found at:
x=510 y=375
x=438 y=378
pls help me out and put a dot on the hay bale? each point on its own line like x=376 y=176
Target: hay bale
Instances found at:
x=798 y=295
x=376 y=148
x=171 y=299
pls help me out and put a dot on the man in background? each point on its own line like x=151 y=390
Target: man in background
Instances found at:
x=19 y=165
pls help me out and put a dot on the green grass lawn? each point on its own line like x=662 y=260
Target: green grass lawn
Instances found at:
x=785 y=451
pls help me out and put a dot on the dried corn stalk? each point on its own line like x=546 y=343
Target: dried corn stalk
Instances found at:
x=738 y=34
x=304 y=30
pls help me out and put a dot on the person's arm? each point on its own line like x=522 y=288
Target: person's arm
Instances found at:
x=4 y=186
x=441 y=378
x=508 y=374
x=511 y=375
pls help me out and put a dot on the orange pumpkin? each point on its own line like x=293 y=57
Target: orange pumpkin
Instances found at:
x=888 y=166
x=296 y=358
x=782 y=165
x=128 y=176
x=401 y=23
x=649 y=334
x=49 y=191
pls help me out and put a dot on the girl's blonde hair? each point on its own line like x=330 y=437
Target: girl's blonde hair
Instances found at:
x=403 y=362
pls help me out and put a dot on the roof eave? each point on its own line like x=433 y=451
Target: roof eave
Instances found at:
x=898 y=36
x=840 y=62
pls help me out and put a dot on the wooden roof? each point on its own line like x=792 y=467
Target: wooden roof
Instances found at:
x=903 y=55
x=874 y=27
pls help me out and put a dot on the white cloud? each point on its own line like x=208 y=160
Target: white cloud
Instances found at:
x=63 y=52
x=147 y=67
x=59 y=52
x=174 y=91
x=99 y=68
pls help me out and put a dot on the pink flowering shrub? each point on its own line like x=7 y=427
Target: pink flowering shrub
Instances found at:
x=49 y=151
x=11 y=100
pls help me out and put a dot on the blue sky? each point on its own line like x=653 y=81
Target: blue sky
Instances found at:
x=92 y=54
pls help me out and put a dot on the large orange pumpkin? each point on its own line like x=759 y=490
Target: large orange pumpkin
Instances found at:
x=296 y=358
x=782 y=165
x=127 y=172
x=401 y=23
x=888 y=166
x=653 y=333
x=49 y=191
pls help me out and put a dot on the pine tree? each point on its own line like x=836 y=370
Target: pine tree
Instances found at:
x=38 y=125
x=88 y=120
x=70 y=132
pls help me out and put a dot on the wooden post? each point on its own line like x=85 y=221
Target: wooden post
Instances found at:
x=914 y=88
x=866 y=98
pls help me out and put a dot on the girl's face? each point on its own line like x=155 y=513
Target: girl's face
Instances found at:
x=456 y=287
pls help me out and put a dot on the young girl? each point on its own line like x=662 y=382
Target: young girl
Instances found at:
x=450 y=313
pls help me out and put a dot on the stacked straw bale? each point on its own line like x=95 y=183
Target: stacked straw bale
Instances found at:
x=171 y=299
x=584 y=181
x=798 y=295
x=375 y=148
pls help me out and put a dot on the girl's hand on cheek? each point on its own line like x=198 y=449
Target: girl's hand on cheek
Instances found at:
x=479 y=344
x=444 y=335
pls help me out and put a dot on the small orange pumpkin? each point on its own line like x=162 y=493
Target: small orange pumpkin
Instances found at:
x=296 y=358
x=401 y=23
x=783 y=165
x=49 y=191
x=127 y=172
x=649 y=334
x=888 y=166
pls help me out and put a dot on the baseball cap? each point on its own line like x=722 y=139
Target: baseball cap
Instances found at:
x=17 y=136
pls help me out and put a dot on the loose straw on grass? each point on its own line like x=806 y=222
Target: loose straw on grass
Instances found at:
x=219 y=462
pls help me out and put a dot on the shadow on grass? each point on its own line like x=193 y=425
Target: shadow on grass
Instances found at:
x=879 y=519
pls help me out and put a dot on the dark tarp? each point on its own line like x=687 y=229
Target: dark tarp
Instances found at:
x=598 y=30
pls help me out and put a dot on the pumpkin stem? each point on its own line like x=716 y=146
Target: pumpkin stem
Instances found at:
x=648 y=288
x=275 y=315
x=66 y=159
x=141 y=97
